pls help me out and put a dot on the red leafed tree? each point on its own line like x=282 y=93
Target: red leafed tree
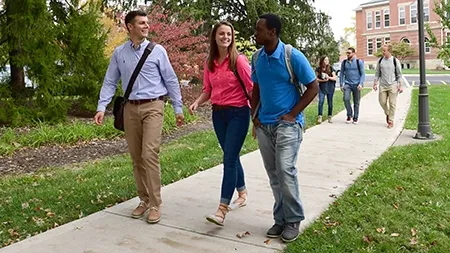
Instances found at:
x=187 y=51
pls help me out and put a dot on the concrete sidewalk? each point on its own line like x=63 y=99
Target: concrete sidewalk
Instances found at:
x=331 y=157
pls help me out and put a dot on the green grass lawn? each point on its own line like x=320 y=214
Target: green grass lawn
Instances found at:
x=30 y=204
x=417 y=71
x=400 y=204
x=69 y=133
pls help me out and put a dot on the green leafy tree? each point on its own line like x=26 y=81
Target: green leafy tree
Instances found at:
x=303 y=26
x=59 y=46
x=442 y=9
x=402 y=50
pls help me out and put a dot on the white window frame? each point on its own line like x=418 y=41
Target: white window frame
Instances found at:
x=403 y=40
x=427 y=46
x=388 y=14
x=369 y=42
x=426 y=11
x=401 y=10
x=378 y=44
x=369 y=16
x=412 y=15
x=377 y=15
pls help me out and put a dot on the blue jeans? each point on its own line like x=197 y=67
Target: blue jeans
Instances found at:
x=279 y=145
x=231 y=127
x=356 y=98
x=329 y=96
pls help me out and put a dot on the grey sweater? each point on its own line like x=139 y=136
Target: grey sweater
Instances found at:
x=385 y=72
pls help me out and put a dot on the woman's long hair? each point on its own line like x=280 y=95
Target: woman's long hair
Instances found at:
x=214 y=50
x=322 y=66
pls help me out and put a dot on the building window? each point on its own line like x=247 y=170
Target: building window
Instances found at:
x=426 y=11
x=427 y=46
x=379 y=44
x=369 y=20
x=369 y=47
x=387 y=40
x=377 y=19
x=401 y=15
x=405 y=40
x=413 y=13
x=387 y=19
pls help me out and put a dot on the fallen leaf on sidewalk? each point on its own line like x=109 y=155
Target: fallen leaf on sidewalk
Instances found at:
x=50 y=214
x=381 y=230
x=243 y=234
x=395 y=234
x=332 y=196
x=413 y=232
x=267 y=242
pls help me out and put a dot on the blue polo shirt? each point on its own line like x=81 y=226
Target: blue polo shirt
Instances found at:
x=278 y=95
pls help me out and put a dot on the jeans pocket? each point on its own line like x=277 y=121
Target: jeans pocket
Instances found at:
x=287 y=122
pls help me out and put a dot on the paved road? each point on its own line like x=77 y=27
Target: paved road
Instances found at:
x=434 y=79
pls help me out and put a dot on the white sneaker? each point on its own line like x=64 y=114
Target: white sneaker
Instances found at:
x=319 y=119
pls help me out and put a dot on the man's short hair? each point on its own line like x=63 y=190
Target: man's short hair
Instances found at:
x=352 y=49
x=272 y=21
x=389 y=47
x=129 y=18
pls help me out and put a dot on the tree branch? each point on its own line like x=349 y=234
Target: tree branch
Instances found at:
x=3 y=40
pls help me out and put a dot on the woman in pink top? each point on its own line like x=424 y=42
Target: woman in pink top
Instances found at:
x=227 y=83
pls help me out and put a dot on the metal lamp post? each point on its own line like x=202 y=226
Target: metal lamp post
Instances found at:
x=423 y=128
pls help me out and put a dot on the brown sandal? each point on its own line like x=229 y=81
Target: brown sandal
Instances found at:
x=241 y=201
x=219 y=217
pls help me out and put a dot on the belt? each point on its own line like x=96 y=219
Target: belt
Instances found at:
x=143 y=101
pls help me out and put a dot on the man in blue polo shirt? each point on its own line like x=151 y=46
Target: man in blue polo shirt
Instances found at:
x=351 y=78
x=279 y=122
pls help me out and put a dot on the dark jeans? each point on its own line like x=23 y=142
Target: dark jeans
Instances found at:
x=329 y=94
x=356 y=98
x=231 y=127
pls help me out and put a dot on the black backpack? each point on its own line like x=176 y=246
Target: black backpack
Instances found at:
x=395 y=65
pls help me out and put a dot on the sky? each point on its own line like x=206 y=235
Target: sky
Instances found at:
x=341 y=13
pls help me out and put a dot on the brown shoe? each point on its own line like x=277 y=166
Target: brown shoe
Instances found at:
x=390 y=124
x=154 y=216
x=140 y=210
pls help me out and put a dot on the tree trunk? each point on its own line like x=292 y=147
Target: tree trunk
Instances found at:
x=15 y=51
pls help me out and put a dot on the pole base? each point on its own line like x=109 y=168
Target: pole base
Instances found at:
x=426 y=136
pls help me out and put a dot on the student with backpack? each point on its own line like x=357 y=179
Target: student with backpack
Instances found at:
x=227 y=83
x=279 y=120
x=351 y=78
x=389 y=74
x=327 y=84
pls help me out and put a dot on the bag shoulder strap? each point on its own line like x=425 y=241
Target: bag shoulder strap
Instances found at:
x=255 y=58
x=395 y=66
x=138 y=68
x=293 y=78
x=359 y=67
x=235 y=72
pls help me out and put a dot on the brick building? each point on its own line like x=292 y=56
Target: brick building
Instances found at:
x=383 y=21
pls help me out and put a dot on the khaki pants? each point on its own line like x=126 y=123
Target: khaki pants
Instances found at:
x=143 y=125
x=388 y=100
